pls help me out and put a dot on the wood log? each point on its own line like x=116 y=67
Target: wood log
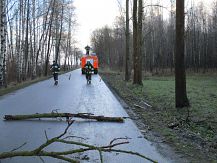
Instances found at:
x=64 y=115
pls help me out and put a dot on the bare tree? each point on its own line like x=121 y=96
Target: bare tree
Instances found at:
x=28 y=32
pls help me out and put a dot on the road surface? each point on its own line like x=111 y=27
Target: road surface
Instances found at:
x=73 y=96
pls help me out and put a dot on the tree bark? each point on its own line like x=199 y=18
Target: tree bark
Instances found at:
x=27 y=41
x=135 y=45
x=137 y=78
x=139 y=41
x=34 y=66
x=127 y=75
x=180 y=76
x=1 y=54
x=3 y=33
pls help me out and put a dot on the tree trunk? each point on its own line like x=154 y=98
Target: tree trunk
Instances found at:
x=137 y=78
x=27 y=41
x=135 y=45
x=140 y=43
x=3 y=33
x=127 y=75
x=48 y=49
x=180 y=76
x=34 y=42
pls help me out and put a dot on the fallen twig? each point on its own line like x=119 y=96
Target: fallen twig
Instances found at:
x=115 y=139
x=147 y=104
x=138 y=106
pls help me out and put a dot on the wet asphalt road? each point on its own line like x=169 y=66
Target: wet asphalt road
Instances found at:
x=73 y=96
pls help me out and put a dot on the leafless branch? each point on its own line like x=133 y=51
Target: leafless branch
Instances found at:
x=18 y=147
x=46 y=134
x=115 y=139
x=62 y=155
x=42 y=160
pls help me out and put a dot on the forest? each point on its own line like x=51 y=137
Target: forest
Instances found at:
x=33 y=34
x=158 y=45
x=160 y=59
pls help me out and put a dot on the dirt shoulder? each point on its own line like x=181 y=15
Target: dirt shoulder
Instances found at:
x=183 y=136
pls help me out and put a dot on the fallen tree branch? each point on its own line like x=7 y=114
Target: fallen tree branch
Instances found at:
x=63 y=154
x=64 y=115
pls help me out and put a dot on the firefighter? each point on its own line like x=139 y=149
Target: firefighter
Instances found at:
x=88 y=71
x=55 y=68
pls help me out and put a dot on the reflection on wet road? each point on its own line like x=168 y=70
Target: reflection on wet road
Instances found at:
x=73 y=96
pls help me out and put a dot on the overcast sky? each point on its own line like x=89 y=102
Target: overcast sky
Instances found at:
x=93 y=14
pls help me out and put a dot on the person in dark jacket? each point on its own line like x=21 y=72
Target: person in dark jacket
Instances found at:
x=55 y=68
x=88 y=71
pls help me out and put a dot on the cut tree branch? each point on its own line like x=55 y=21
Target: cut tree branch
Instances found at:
x=64 y=115
x=63 y=154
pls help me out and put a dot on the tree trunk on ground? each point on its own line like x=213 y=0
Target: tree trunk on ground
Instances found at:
x=64 y=115
x=180 y=76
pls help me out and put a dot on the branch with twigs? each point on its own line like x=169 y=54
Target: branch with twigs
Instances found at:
x=68 y=116
x=40 y=152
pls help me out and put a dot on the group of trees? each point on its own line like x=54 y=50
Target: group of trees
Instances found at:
x=33 y=32
x=158 y=42
x=161 y=42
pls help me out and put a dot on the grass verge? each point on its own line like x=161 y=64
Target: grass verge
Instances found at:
x=194 y=132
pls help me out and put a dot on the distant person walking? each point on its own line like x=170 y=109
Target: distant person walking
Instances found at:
x=55 y=68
